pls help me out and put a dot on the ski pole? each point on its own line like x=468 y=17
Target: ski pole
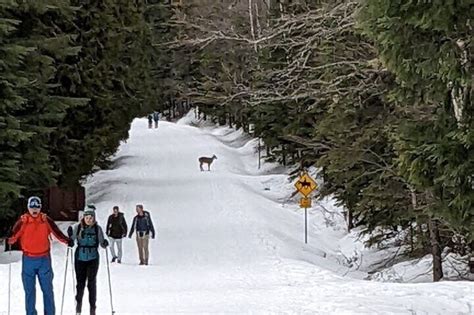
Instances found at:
x=9 y=278
x=65 y=276
x=73 y=275
x=69 y=233
x=110 y=285
x=73 y=278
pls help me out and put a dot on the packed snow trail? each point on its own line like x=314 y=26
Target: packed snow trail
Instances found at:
x=222 y=245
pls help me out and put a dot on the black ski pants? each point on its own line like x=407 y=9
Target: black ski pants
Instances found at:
x=86 y=271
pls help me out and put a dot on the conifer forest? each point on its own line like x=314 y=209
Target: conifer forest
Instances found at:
x=376 y=94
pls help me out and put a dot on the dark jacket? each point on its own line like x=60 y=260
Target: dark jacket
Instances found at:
x=116 y=226
x=142 y=224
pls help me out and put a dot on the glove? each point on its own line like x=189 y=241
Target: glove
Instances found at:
x=153 y=237
x=124 y=235
x=12 y=241
x=105 y=243
x=70 y=243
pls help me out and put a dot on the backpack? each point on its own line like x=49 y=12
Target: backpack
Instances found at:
x=147 y=220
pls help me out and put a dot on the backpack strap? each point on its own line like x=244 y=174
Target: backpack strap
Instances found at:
x=147 y=217
x=25 y=218
x=79 y=226
x=96 y=230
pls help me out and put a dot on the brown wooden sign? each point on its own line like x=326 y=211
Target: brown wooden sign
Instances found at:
x=64 y=204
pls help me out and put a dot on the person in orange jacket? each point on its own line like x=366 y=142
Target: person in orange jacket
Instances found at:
x=33 y=230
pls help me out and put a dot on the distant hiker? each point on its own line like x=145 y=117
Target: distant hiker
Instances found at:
x=33 y=230
x=143 y=224
x=88 y=235
x=116 y=229
x=206 y=160
x=150 y=121
x=156 y=118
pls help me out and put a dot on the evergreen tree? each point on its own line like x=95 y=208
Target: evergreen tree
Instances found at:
x=427 y=45
x=33 y=45
x=112 y=70
x=46 y=106
x=12 y=83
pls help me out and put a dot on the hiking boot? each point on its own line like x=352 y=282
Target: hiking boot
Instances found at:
x=141 y=263
x=92 y=311
x=119 y=261
x=113 y=259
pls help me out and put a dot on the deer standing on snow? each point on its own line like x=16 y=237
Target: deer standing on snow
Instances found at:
x=206 y=160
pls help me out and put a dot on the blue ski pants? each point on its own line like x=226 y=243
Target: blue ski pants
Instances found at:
x=41 y=267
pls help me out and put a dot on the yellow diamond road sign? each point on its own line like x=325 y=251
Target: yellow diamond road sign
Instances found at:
x=305 y=184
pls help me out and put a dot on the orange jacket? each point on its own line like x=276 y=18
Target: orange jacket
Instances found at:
x=33 y=234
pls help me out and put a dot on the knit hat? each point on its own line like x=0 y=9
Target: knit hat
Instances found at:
x=89 y=210
x=34 y=202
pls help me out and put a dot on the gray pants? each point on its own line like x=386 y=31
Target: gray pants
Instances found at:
x=118 y=242
x=142 y=242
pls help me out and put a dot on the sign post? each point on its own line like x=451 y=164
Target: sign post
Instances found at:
x=305 y=185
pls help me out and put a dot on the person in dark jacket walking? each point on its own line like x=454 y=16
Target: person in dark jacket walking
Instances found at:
x=33 y=230
x=150 y=121
x=156 y=118
x=143 y=224
x=116 y=229
x=88 y=235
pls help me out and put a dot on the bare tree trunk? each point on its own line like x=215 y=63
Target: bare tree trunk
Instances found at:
x=259 y=154
x=435 y=250
x=170 y=113
x=252 y=28
x=245 y=125
x=238 y=123
x=471 y=259
x=283 y=153
x=350 y=220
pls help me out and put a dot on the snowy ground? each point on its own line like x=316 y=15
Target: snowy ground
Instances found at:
x=227 y=240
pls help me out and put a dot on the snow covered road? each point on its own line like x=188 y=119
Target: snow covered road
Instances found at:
x=222 y=245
